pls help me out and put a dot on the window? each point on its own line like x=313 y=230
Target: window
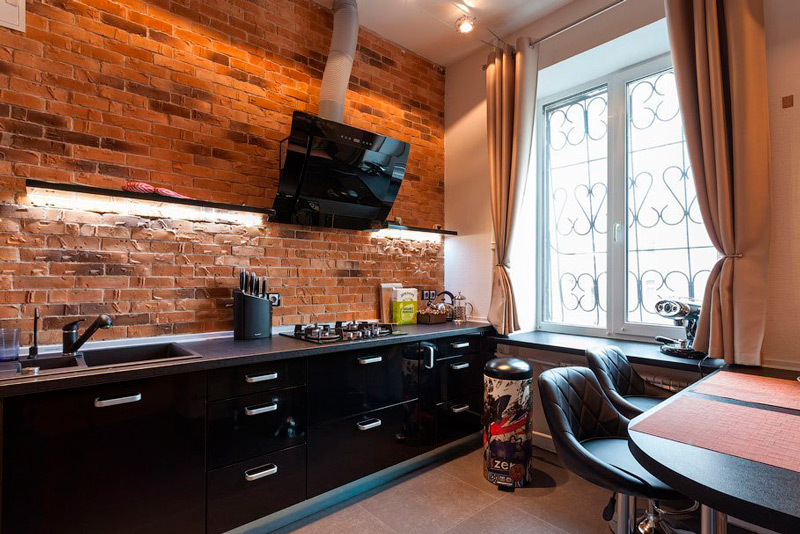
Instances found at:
x=620 y=227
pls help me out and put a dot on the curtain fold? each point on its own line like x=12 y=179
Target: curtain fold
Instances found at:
x=719 y=53
x=511 y=79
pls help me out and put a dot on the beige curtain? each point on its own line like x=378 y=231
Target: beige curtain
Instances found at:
x=719 y=52
x=510 y=108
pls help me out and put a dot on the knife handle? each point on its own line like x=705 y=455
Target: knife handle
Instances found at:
x=241 y=280
x=264 y=287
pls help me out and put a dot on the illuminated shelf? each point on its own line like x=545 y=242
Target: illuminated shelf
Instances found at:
x=395 y=226
x=152 y=197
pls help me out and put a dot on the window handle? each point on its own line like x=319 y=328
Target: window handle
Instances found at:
x=617 y=232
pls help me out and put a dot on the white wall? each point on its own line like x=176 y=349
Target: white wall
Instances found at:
x=469 y=257
x=781 y=346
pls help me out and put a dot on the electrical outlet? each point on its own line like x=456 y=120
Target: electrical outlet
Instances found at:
x=275 y=299
x=426 y=295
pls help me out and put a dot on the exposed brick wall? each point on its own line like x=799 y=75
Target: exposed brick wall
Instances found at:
x=194 y=95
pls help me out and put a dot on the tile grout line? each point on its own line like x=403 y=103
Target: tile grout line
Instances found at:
x=497 y=499
x=378 y=519
x=470 y=516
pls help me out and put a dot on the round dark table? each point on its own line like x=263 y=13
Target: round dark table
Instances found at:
x=758 y=493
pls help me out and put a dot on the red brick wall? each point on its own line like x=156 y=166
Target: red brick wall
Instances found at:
x=194 y=95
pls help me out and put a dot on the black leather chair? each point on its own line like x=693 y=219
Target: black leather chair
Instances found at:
x=591 y=439
x=627 y=390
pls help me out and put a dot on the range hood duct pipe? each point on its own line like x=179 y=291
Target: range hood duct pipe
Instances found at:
x=340 y=60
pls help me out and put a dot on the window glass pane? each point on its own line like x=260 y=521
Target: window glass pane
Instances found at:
x=575 y=182
x=669 y=252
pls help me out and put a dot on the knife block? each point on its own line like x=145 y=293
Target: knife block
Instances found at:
x=252 y=316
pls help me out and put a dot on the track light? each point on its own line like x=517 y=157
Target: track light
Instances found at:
x=465 y=24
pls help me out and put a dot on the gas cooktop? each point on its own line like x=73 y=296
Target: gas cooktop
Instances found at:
x=342 y=331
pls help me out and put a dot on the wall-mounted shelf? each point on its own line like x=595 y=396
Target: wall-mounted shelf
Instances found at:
x=395 y=226
x=152 y=197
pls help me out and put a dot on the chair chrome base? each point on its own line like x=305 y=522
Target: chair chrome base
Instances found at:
x=625 y=514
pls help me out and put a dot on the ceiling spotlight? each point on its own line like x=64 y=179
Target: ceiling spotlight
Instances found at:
x=465 y=24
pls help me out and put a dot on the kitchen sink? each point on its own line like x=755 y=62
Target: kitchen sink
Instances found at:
x=131 y=355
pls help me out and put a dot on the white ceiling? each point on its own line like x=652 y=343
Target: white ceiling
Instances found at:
x=427 y=27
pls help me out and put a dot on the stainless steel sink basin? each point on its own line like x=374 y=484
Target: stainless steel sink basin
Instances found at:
x=132 y=355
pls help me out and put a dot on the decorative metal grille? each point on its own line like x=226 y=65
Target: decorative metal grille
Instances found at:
x=576 y=183
x=669 y=251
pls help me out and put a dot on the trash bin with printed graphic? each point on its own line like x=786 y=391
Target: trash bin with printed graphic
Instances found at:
x=507 y=423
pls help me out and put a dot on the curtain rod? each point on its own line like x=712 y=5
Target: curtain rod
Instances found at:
x=571 y=24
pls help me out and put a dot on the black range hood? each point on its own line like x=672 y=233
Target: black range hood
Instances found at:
x=337 y=176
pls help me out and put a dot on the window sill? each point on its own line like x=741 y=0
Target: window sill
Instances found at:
x=637 y=351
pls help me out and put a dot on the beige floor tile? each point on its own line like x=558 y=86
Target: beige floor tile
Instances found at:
x=349 y=519
x=561 y=498
x=430 y=503
x=501 y=518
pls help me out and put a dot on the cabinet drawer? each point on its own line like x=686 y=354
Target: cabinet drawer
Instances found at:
x=355 y=447
x=354 y=382
x=452 y=346
x=461 y=375
x=236 y=381
x=458 y=418
x=254 y=488
x=254 y=425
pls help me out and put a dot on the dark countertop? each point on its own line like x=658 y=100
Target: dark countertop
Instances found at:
x=222 y=352
x=752 y=491
x=636 y=351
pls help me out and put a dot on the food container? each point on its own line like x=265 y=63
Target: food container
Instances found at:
x=431 y=318
x=404 y=312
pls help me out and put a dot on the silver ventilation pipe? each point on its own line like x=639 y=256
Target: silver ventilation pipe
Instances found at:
x=340 y=60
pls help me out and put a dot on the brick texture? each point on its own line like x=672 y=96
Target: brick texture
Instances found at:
x=195 y=95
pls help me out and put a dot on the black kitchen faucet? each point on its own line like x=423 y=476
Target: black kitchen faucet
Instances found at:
x=69 y=333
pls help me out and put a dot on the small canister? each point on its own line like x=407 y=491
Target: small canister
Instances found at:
x=507 y=423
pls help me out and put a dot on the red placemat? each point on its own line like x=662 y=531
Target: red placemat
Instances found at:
x=753 y=434
x=751 y=388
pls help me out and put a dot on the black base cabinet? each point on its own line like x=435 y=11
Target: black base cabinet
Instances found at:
x=123 y=458
x=258 y=487
x=346 y=450
x=206 y=452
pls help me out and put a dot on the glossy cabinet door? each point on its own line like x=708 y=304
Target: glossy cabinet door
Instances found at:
x=255 y=488
x=249 y=426
x=121 y=458
x=356 y=381
x=458 y=418
x=348 y=449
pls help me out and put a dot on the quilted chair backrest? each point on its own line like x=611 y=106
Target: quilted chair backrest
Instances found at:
x=574 y=404
x=611 y=365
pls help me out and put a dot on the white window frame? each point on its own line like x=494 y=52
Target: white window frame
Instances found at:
x=616 y=325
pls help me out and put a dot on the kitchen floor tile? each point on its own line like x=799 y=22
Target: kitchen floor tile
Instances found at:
x=430 y=503
x=501 y=518
x=452 y=497
x=351 y=518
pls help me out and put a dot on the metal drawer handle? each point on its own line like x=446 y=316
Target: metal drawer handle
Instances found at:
x=100 y=402
x=460 y=408
x=369 y=423
x=260 y=472
x=365 y=360
x=462 y=345
x=250 y=379
x=256 y=410
x=458 y=366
